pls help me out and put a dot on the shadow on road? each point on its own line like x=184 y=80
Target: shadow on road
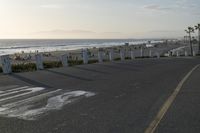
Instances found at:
x=91 y=70
x=29 y=81
x=68 y=75
x=120 y=67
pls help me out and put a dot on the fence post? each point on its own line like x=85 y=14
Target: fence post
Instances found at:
x=158 y=55
x=177 y=53
x=173 y=53
x=85 y=56
x=141 y=52
x=39 y=61
x=100 y=56
x=150 y=53
x=132 y=55
x=111 y=54
x=169 y=53
x=186 y=54
x=64 y=60
x=122 y=54
x=194 y=53
x=6 y=64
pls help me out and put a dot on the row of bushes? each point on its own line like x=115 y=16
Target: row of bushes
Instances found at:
x=26 y=67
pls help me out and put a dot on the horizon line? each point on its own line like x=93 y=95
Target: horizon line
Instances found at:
x=145 y=38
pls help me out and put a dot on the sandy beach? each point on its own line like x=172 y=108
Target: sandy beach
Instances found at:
x=159 y=48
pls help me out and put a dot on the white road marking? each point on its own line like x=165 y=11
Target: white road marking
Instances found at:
x=156 y=121
x=8 y=87
x=26 y=108
x=32 y=90
x=31 y=99
x=54 y=103
x=6 y=93
x=16 y=89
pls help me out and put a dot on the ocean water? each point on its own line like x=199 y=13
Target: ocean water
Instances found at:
x=11 y=46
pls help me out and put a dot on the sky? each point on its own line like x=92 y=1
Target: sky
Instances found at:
x=83 y=19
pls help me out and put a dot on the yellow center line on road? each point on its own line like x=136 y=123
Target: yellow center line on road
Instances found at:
x=154 y=124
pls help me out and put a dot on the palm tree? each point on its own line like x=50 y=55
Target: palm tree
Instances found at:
x=197 y=27
x=189 y=31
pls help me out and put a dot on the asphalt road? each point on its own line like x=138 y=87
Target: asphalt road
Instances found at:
x=117 y=97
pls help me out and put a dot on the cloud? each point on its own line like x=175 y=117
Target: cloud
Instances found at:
x=196 y=13
x=186 y=4
x=155 y=7
x=181 y=2
x=112 y=33
x=51 y=6
x=60 y=32
x=162 y=34
x=166 y=31
x=77 y=33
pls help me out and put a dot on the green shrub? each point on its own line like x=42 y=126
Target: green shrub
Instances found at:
x=1 y=70
x=75 y=62
x=141 y=57
x=106 y=60
x=52 y=64
x=92 y=61
x=128 y=58
x=162 y=56
x=25 y=67
x=117 y=59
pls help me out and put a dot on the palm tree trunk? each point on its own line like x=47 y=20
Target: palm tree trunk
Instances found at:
x=199 y=43
x=191 y=48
